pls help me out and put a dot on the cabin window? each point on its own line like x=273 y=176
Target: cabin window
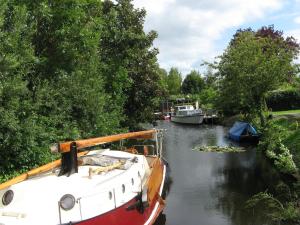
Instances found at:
x=139 y=175
x=132 y=181
x=7 y=197
x=123 y=188
x=67 y=202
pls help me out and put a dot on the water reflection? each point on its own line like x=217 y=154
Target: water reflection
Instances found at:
x=211 y=188
x=242 y=175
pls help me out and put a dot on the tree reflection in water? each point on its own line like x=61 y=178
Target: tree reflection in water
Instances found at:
x=212 y=188
x=242 y=176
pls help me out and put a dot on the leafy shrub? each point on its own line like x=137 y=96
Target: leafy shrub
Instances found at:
x=275 y=150
x=284 y=100
x=274 y=209
x=284 y=161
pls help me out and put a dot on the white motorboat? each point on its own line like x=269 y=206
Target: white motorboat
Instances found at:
x=187 y=114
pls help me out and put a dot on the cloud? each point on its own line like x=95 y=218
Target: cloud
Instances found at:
x=297 y=20
x=190 y=29
x=294 y=33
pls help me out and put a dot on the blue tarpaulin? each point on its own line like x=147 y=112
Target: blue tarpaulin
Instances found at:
x=239 y=129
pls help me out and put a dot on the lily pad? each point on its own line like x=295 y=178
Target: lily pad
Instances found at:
x=220 y=149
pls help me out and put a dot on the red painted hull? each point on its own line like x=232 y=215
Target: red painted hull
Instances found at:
x=122 y=216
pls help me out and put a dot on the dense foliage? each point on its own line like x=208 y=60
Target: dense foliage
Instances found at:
x=68 y=70
x=130 y=66
x=174 y=80
x=274 y=210
x=193 y=83
x=254 y=63
x=280 y=100
x=272 y=144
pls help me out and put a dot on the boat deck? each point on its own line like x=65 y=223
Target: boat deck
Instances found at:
x=96 y=190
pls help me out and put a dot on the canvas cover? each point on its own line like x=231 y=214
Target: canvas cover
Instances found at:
x=240 y=128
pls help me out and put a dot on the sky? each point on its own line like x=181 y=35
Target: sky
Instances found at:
x=193 y=31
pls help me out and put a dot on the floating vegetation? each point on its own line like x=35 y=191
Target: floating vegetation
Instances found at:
x=219 y=149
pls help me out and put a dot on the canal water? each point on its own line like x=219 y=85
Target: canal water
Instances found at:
x=208 y=188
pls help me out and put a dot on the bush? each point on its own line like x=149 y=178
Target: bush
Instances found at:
x=284 y=100
x=273 y=208
x=275 y=150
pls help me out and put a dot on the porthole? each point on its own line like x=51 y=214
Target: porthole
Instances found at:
x=7 y=197
x=67 y=202
x=110 y=195
x=123 y=188
x=132 y=181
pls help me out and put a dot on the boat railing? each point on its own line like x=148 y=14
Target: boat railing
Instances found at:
x=69 y=149
x=145 y=149
x=69 y=153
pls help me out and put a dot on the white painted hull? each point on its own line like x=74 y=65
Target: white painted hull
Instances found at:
x=190 y=119
x=36 y=199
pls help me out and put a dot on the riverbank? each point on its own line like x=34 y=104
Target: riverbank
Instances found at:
x=287 y=125
x=280 y=143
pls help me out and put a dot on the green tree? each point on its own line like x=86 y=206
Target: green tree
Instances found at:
x=163 y=82
x=250 y=67
x=51 y=84
x=130 y=63
x=71 y=69
x=193 y=83
x=20 y=127
x=66 y=40
x=174 y=81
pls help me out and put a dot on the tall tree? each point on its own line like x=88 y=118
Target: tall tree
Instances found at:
x=252 y=65
x=193 y=83
x=163 y=82
x=66 y=40
x=51 y=84
x=20 y=129
x=130 y=63
x=174 y=81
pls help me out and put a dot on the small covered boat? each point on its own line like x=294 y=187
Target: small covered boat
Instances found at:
x=243 y=132
x=91 y=187
x=187 y=114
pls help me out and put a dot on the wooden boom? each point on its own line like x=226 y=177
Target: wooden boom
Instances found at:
x=80 y=144
x=34 y=172
x=66 y=146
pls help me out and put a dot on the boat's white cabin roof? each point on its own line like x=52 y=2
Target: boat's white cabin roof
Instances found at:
x=184 y=107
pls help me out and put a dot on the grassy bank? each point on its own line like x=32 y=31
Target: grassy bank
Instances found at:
x=282 y=130
x=288 y=112
x=290 y=126
x=281 y=141
x=281 y=144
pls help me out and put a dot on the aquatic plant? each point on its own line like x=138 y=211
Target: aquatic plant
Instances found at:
x=219 y=149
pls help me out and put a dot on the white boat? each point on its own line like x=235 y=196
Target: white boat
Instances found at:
x=187 y=114
x=95 y=187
